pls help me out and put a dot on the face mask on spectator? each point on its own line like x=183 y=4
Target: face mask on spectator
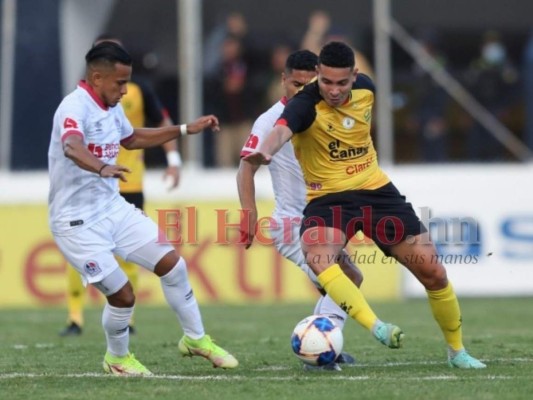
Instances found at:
x=493 y=53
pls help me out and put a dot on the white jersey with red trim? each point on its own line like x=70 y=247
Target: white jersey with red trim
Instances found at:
x=79 y=198
x=287 y=178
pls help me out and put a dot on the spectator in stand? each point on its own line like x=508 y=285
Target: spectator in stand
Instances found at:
x=229 y=95
x=232 y=25
x=278 y=57
x=430 y=106
x=527 y=72
x=235 y=25
x=492 y=80
x=321 y=31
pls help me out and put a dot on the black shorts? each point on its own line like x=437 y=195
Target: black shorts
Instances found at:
x=135 y=198
x=381 y=214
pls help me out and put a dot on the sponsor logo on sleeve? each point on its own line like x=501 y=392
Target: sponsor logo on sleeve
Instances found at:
x=252 y=141
x=69 y=123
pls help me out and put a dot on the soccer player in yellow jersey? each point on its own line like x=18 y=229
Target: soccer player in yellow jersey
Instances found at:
x=329 y=123
x=289 y=192
x=143 y=108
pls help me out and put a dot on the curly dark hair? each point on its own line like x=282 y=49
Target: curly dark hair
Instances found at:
x=337 y=55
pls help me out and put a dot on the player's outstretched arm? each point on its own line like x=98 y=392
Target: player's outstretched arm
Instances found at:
x=246 y=188
x=143 y=138
x=204 y=122
x=273 y=142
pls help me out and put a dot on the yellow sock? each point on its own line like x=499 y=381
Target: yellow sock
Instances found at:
x=348 y=296
x=75 y=296
x=447 y=313
x=132 y=272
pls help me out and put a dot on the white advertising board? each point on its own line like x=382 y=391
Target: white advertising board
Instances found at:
x=491 y=255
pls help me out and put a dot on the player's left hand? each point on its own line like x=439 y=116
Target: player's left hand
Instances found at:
x=248 y=227
x=115 y=171
x=172 y=173
x=204 y=122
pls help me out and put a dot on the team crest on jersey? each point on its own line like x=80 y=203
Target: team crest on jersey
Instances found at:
x=368 y=115
x=92 y=268
x=348 y=122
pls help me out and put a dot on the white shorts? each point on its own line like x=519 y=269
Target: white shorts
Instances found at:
x=288 y=245
x=128 y=233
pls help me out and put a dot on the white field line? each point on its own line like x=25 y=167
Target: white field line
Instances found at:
x=312 y=376
x=284 y=367
x=410 y=363
x=358 y=365
x=280 y=368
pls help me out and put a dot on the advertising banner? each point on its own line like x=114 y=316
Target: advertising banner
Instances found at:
x=32 y=270
x=481 y=220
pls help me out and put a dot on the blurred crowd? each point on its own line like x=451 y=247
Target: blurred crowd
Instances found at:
x=241 y=79
x=240 y=83
x=436 y=127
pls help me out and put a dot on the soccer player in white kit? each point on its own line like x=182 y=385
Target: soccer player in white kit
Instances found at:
x=91 y=222
x=289 y=189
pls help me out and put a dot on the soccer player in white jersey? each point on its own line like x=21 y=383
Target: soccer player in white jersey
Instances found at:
x=91 y=222
x=289 y=190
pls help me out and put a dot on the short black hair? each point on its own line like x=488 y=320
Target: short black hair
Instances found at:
x=108 y=37
x=108 y=52
x=302 y=60
x=337 y=55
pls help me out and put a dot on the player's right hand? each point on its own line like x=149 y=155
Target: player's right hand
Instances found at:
x=258 y=158
x=204 y=122
x=115 y=171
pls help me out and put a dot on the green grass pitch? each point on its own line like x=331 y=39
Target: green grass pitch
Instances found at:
x=37 y=364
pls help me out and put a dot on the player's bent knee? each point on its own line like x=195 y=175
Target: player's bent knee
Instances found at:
x=165 y=265
x=176 y=275
x=124 y=298
x=434 y=277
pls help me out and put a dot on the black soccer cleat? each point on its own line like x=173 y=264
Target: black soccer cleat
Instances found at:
x=71 y=330
x=345 y=358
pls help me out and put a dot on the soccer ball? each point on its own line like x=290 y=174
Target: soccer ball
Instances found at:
x=316 y=340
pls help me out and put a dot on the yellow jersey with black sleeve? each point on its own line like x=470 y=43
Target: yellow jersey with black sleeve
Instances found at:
x=333 y=144
x=142 y=108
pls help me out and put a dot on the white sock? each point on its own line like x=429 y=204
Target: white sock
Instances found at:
x=318 y=305
x=180 y=297
x=326 y=305
x=115 y=322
